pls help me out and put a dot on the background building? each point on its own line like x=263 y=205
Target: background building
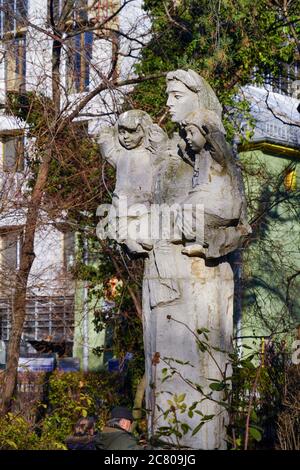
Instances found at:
x=92 y=41
x=271 y=266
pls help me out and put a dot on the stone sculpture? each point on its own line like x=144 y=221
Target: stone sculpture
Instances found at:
x=188 y=282
x=131 y=148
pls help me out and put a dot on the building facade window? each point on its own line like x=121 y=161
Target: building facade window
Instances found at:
x=68 y=11
x=13 y=153
x=286 y=83
x=102 y=9
x=10 y=249
x=15 y=65
x=45 y=317
x=79 y=60
x=81 y=11
x=10 y=255
x=13 y=16
x=69 y=250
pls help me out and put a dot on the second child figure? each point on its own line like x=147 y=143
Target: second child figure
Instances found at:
x=131 y=147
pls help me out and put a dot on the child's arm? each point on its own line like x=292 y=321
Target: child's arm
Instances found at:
x=108 y=145
x=218 y=147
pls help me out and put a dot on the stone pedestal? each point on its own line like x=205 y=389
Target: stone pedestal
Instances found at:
x=204 y=300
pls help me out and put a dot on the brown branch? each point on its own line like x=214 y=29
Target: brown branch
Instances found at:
x=172 y=21
x=133 y=295
x=291 y=25
x=105 y=85
x=289 y=281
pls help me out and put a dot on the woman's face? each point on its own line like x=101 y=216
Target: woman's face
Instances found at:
x=181 y=100
x=130 y=138
x=194 y=137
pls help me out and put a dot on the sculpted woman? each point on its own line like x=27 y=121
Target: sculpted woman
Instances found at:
x=188 y=282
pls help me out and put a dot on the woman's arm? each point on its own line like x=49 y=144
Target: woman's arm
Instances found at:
x=218 y=147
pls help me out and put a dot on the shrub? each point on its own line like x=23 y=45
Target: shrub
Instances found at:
x=16 y=433
x=289 y=419
x=76 y=394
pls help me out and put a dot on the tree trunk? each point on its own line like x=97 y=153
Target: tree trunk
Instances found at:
x=19 y=297
x=27 y=252
x=56 y=80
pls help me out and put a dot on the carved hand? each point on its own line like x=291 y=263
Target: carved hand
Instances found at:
x=105 y=134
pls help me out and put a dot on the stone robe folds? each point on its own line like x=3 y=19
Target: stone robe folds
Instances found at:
x=200 y=295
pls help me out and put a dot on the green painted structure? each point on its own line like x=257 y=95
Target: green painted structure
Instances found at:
x=273 y=255
x=85 y=337
x=271 y=262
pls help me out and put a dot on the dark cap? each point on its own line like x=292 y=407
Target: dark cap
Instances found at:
x=121 y=412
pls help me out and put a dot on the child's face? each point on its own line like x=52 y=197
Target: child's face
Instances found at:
x=194 y=137
x=130 y=138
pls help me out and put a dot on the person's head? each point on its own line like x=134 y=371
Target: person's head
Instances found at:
x=189 y=92
x=136 y=128
x=131 y=128
x=194 y=137
x=123 y=416
x=85 y=426
x=195 y=124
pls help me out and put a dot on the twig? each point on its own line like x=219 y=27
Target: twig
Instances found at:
x=250 y=406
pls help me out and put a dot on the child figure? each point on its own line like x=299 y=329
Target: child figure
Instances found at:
x=131 y=147
x=217 y=186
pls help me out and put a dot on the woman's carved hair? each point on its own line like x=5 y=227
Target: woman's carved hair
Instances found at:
x=194 y=82
x=199 y=118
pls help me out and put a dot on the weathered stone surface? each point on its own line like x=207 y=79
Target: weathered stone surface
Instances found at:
x=200 y=297
x=188 y=282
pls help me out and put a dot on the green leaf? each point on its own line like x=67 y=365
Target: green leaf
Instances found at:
x=197 y=429
x=217 y=386
x=185 y=428
x=193 y=406
x=208 y=417
x=165 y=378
x=180 y=398
x=202 y=346
x=182 y=363
x=255 y=433
x=11 y=444
x=254 y=416
x=202 y=330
